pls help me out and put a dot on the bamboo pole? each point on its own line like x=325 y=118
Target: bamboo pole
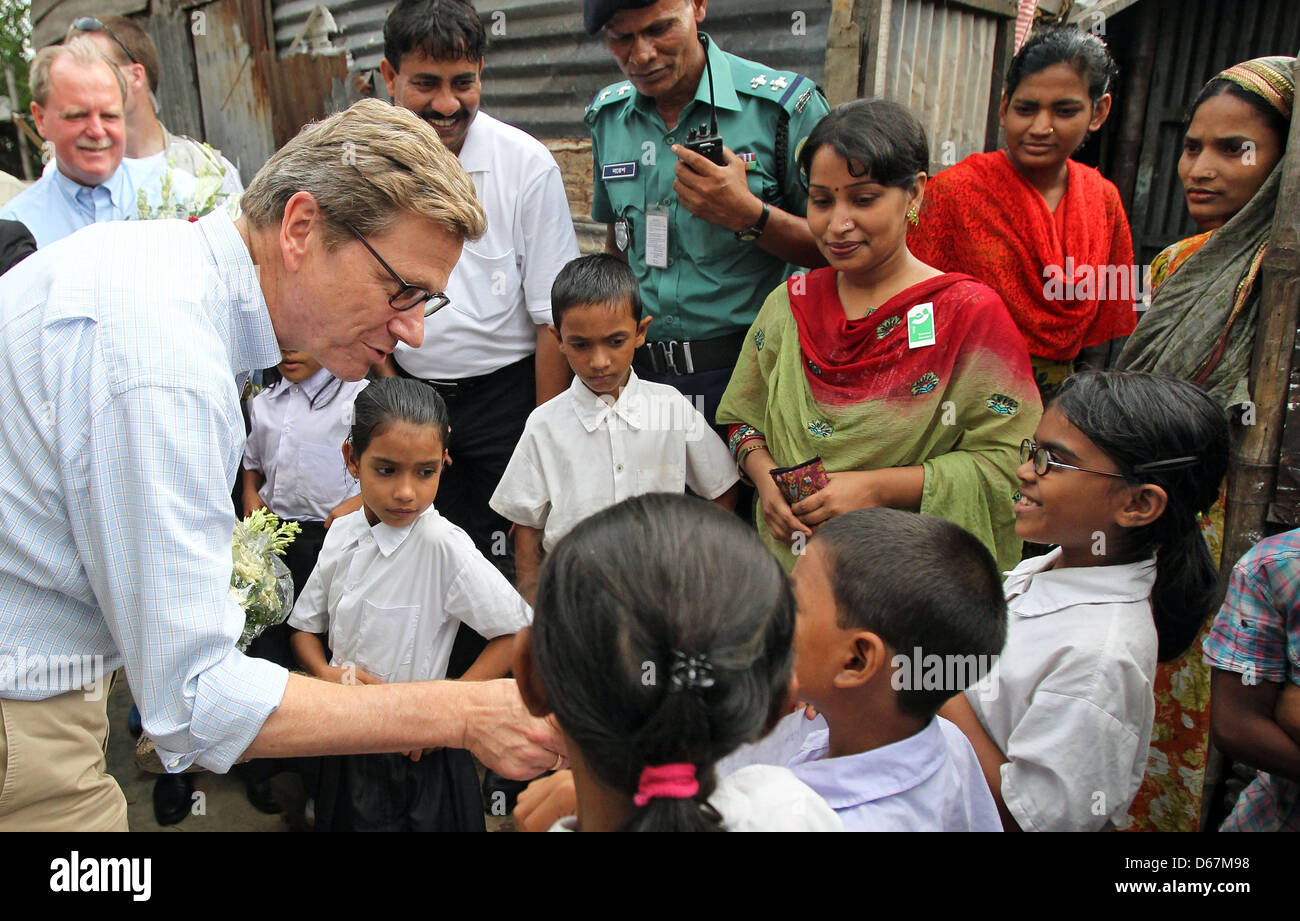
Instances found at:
x=1252 y=468
x=18 y=120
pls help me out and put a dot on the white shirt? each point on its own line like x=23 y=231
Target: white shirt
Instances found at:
x=392 y=599
x=1070 y=700
x=761 y=797
x=299 y=449
x=580 y=454
x=929 y=782
x=121 y=350
x=500 y=289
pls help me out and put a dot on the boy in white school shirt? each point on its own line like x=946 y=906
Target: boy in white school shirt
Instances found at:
x=896 y=613
x=610 y=435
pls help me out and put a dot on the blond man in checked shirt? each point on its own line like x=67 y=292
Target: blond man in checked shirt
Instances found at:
x=122 y=351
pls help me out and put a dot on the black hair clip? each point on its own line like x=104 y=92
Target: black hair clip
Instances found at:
x=1172 y=463
x=690 y=673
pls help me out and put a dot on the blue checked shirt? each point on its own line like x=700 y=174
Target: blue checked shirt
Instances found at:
x=55 y=206
x=122 y=351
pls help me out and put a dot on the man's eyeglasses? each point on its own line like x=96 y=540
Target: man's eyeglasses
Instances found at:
x=407 y=296
x=1043 y=461
x=91 y=24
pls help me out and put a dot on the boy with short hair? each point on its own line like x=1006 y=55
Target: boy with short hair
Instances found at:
x=610 y=435
x=897 y=612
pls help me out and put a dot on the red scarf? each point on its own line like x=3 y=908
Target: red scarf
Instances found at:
x=849 y=361
x=982 y=217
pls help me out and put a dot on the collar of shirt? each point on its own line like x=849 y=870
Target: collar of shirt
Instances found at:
x=476 y=152
x=1057 y=589
x=724 y=87
x=593 y=410
x=852 y=780
x=117 y=187
x=386 y=537
x=253 y=345
x=309 y=388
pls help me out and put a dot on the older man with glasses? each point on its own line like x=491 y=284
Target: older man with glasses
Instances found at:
x=122 y=350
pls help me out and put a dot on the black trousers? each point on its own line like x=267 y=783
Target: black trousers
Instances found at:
x=487 y=419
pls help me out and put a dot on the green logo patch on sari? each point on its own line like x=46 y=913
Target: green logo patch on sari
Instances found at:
x=925 y=383
x=820 y=428
x=814 y=369
x=1002 y=404
x=759 y=339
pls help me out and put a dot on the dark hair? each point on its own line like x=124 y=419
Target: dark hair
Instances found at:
x=878 y=137
x=923 y=585
x=272 y=378
x=396 y=399
x=1144 y=423
x=597 y=279
x=622 y=595
x=1276 y=121
x=136 y=40
x=444 y=30
x=1084 y=52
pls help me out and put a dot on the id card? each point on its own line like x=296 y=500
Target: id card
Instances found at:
x=656 y=238
x=920 y=326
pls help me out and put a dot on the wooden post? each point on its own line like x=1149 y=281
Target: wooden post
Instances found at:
x=1252 y=468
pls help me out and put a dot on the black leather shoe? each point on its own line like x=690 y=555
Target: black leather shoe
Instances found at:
x=262 y=797
x=173 y=795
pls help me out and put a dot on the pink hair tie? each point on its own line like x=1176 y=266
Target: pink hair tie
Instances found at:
x=666 y=781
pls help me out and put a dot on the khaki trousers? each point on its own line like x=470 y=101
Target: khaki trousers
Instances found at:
x=52 y=765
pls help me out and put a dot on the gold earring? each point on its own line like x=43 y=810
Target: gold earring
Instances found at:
x=913 y=218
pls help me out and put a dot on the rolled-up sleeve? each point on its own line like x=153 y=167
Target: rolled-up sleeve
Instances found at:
x=152 y=516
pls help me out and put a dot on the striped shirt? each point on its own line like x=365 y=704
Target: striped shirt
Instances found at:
x=122 y=349
x=1257 y=635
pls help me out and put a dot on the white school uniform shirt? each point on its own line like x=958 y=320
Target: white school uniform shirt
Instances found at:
x=392 y=599
x=500 y=288
x=581 y=453
x=1070 y=699
x=761 y=797
x=299 y=449
x=930 y=781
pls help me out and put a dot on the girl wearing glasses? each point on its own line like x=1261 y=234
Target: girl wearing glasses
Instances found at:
x=1119 y=469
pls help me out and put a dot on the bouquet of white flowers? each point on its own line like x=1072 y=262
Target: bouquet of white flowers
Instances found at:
x=260 y=583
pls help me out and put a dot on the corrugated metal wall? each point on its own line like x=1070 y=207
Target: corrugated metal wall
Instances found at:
x=543 y=69
x=1198 y=38
x=940 y=64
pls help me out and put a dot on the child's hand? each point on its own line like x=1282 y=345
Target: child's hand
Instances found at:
x=1287 y=710
x=347 y=674
x=419 y=753
x=545 y=801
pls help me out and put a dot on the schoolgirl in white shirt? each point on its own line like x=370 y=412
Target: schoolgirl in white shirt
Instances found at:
x=1120 y=466
x=393 y=583
x=293 y=459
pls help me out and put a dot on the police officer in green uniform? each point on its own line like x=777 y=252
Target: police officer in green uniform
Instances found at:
x=708 y=242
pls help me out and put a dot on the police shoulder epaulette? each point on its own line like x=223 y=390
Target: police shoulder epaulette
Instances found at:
x=611 y=93
x=790 y=91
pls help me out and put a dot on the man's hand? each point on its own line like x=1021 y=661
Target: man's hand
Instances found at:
x=545 y=801
x=717 y=194
x=500 y=732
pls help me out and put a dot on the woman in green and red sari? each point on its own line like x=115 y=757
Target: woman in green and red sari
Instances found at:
x=912 y=385
x=1200 y=327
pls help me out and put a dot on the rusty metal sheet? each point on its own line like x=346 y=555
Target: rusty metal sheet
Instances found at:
x=233 y=88
x=50 y=21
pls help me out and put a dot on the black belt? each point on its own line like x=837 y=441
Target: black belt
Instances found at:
x=462 y=386
x=670 y=357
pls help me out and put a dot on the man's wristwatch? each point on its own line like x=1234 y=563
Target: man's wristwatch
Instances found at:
x=750 y=234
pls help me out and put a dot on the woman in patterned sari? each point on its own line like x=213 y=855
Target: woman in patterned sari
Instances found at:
x=1200 y=326
x=913 y=386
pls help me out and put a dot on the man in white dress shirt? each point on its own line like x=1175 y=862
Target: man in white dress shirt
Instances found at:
x=489 y=354
x=122 y=352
